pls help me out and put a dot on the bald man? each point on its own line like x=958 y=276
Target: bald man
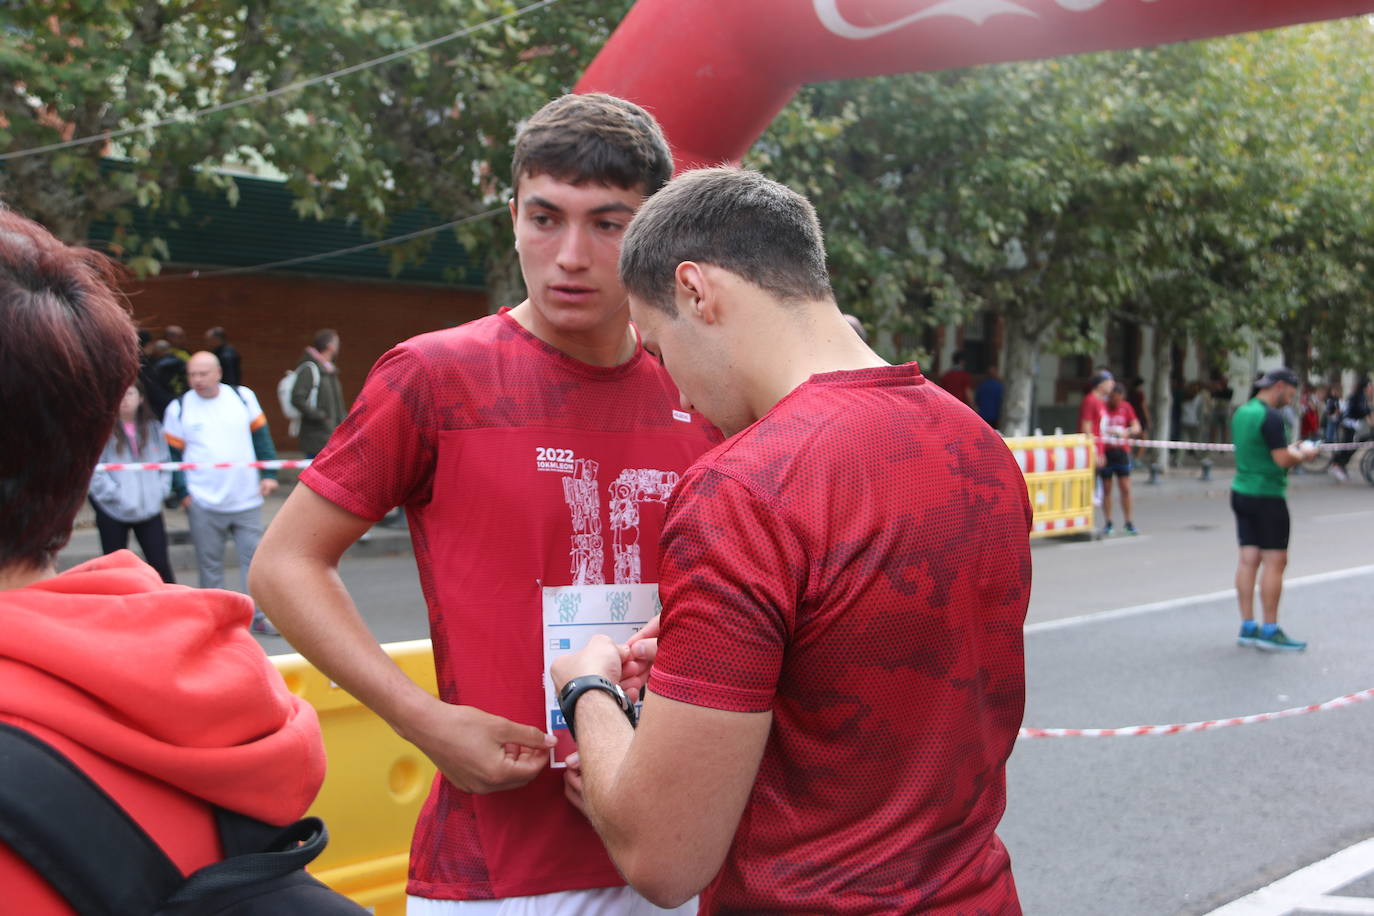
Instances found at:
x=215 y=422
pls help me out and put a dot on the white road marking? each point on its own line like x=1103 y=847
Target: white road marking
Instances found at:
x=1340 y=516
x=1135 y=610
x=1309 y=890
x=1113 y=541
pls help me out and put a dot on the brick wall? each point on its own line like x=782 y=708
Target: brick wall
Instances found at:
x=271 y=319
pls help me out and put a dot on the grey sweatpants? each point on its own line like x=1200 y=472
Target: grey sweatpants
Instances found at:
x=210 y=529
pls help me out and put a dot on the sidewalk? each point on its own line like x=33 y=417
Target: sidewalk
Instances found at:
x=85 y=542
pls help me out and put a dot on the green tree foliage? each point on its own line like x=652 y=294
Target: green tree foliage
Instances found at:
x=1199 y=189
x=432 y=127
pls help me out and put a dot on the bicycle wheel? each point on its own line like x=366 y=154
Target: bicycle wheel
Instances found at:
x=1318 y=462
x=1367 y=465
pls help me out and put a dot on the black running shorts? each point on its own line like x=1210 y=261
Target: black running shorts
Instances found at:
x=1261 y=521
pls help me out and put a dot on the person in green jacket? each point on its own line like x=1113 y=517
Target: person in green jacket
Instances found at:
x=1263 y=457
x=317 y=395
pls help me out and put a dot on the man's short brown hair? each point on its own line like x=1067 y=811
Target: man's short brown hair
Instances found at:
x=752 y=226
x=594 y=138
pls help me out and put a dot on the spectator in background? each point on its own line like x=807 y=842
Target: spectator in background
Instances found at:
x=1220 y=419
x=1196 y=413
x=987 y=398
x=1309 y=416
x=176 y=339
x=1135 y=396
x=155 y=391
x=957 y=381
x=1331 y=414
x=228 y=357
x=168 y=370
x=1357 y=411
x=127 y=501
x=215 y=422
x=317 y=393
x=1119 y=421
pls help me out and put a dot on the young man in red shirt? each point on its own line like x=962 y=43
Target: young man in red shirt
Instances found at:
x=1093 y=409
x=838 y=677
x=1120 y=422
x=532 y=451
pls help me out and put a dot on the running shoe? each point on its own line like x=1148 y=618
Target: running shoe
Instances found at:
x=1338 y=472
x=262 y=626
x=1249 y=632
x=1107 y=530
x=1130 y=528
x=1278 y=641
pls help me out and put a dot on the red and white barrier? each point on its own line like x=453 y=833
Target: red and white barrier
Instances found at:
x=1040 y=459
x=1135 y=731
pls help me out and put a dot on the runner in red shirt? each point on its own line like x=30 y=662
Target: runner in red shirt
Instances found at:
x=1093 y=409
x=957 y=381
x=1118 y=421
x=839 y=678
x=533 y=451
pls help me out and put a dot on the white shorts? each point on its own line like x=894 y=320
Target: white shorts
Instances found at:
x=599 y=901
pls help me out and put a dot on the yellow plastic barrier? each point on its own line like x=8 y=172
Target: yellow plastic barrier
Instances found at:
x=1060 y=474
x=374 y=785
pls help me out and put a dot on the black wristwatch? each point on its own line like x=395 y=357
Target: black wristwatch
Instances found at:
x=568 y=697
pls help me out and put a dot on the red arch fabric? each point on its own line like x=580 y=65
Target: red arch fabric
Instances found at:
x=716 y=72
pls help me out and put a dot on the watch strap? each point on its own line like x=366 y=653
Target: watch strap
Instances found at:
x=573 y=690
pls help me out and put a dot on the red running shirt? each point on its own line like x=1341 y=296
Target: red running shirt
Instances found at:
x=503 y=451
x=1091 y=413
x=857 y=562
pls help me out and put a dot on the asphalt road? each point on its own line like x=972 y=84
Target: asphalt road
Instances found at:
x=1142 y=826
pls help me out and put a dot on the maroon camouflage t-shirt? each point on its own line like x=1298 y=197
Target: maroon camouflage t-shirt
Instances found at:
x=521 y=470
x=857 y=562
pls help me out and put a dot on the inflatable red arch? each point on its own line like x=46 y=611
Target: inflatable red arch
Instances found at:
x=716 y=72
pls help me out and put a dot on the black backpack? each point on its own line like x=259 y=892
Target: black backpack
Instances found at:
x=78 y=838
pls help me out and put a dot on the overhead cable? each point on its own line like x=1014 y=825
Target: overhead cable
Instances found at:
x=262 y=96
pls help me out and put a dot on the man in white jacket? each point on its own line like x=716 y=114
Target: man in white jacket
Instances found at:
x=213 y=422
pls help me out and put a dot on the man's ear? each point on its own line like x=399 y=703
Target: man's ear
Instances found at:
x=696 y=292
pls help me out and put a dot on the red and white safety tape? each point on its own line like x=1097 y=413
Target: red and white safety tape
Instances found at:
x=1132 y=731
x=1216 y=446
x=273 y=465
x=305 y=462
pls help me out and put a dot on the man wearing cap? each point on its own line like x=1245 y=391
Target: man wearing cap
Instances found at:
x=1093 y=410
x=1263 y=457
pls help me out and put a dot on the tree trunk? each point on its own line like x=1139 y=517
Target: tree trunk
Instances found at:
x=1019 y=367
x=505 y=283
x=1162 y=394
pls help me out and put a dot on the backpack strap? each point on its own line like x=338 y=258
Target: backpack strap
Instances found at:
x=314 y=398
x=72 y=833
x=254 y=853
x=181 y=398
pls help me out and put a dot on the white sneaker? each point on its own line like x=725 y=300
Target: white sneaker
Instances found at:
x=1338 y=472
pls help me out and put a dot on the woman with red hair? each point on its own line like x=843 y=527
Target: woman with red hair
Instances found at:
x=155 y=692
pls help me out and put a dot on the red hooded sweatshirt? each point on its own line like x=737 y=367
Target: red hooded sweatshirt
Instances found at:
x=162 y=697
